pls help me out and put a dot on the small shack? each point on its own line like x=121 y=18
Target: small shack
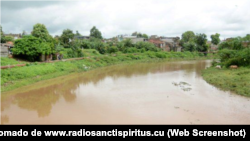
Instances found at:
x=4 y=50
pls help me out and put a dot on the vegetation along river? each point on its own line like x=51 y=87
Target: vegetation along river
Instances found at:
x=144 y=93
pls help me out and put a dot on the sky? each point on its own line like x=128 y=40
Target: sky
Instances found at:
x=170 y=18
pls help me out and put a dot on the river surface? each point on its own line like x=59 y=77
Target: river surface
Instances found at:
x=144 y=93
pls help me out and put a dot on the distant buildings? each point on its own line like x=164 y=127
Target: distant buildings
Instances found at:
x=160 y=44
x=134 y=39
x=172 y=42
x=165 y=43
x=212 y=46
x=15 y=36
x=81 y=37
x=6 y=49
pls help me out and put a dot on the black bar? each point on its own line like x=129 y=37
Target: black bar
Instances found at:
x=127 y=131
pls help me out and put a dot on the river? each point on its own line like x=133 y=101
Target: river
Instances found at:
x=143 y=93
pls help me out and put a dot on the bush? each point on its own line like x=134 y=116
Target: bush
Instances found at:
x=160 y=55
x=235 y=57
x=8 y=61
x=131 y=50
x=112 y=49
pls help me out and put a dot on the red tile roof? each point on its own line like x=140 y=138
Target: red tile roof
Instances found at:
x=155 y=41
x=11 y=43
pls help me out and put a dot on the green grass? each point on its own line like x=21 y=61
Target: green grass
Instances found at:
x=5 y=61
x=20 y=76
x=236 y=80
x=90 y=52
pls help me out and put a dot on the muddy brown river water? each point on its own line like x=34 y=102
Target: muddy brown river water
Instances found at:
x=144 y=93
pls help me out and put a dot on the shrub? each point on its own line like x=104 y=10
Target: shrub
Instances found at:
x=112 y=49
x=160 y=55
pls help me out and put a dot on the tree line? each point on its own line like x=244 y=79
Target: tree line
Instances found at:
x=191 y=42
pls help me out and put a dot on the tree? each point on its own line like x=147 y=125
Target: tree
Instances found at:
x=201 y=41
x=77 y=33
x=24 y=33
x=134 y=34
x=215 y=38
x=9 y=39
x=94 y=32
x=139 y=35
x=176 y=39
x=31 y=47
x=145 y=36
x=233 y=44
x=190 y=46
x=246 y=40
x=66 y=37
x=127 y=43
x=187 y=37
x=40 y=31
x=2 y=35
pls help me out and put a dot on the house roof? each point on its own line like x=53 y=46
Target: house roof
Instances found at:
x=130 y=37
x=10 y=43
x=169 y=40
x=155 y=41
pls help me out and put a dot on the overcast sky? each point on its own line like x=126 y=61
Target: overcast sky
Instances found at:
x=169 y=18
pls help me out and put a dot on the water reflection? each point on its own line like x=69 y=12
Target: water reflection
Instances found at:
x=43 y=98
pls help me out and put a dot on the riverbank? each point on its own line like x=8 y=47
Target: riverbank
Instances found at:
x=235 y=80
x=21 y=76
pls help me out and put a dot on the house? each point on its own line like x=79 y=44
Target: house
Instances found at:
x=160 y=44
x=212 y=46
x=81 y=37
x=15 y=36
x=153 y=37
x=172 y=42
x=246 y=43
x=134 y=39
x=4 y=50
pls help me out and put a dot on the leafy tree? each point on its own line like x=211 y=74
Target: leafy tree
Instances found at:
x=2 y=35
x=139 y=35
x=66 y=37
x=58 y=48
x=215 y=38
x=94 y=32
x=145 y=36
x=127 y=43
x=9 y=38
x=234 y=44
x=112 y=49
x=145 y=45
x=187 y=37
x=120 y=46
x=75 y=49
x=93 y=39
x=24 y=33
x=40 y=31
x=201 y=41
x=246 y=40
x=176 y=39
x=85 y=44
x=31 y=47
x=134 y=34
x=189 y=46
x=77 y=33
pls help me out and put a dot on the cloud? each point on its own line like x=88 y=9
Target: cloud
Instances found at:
x=114 y=17
x=18 y=5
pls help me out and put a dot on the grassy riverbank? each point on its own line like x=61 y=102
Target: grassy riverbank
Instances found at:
x=21 y=76
x=5 y=61
x=236 y=80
